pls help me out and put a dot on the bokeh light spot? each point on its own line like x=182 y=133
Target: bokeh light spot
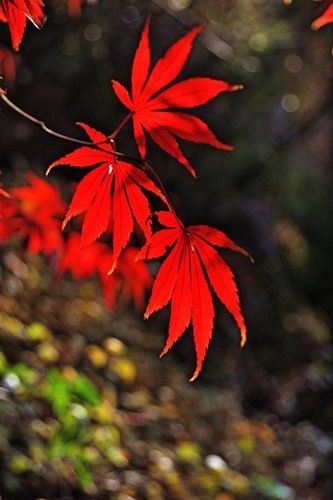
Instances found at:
x=293 y=63
x=290 y=103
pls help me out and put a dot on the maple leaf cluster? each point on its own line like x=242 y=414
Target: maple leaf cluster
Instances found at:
x=112 y=196
x=32 y=214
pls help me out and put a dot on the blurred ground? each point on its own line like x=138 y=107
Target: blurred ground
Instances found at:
x=87 y=408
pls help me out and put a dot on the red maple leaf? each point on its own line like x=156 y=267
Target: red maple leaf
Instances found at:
x=182 y=278
x=110 y=194
x=16 y=13
x=32 y=213
x=152 y=98
x=38 y=200
x=129 y=281
x=81 y=262
x=88 y=261
x=136 y=278
x=325 y=18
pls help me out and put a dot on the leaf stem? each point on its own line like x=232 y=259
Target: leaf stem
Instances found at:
x=143 y=164
x=121 y=125
x=148 y=168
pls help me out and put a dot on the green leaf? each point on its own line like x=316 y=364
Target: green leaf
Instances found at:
x=58 y=391
x=272 y=489
x=84 y=389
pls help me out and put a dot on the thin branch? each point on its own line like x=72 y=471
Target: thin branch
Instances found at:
x=148 y=168
x=143 y=164
x=49 y=131
x=120 y=126
x=40 y=123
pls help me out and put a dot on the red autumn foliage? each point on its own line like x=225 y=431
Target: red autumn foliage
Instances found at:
x=16 y=13
x=325 y=18
x=153 y=96
x=7 y=65
x=74 y=7
x=129 y=281
x=111 y=194
x=33 y=213
x=182 y=279
x=112 y=198
x=81 y=262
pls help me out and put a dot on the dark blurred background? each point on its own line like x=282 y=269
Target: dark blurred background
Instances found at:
x=258 y=423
